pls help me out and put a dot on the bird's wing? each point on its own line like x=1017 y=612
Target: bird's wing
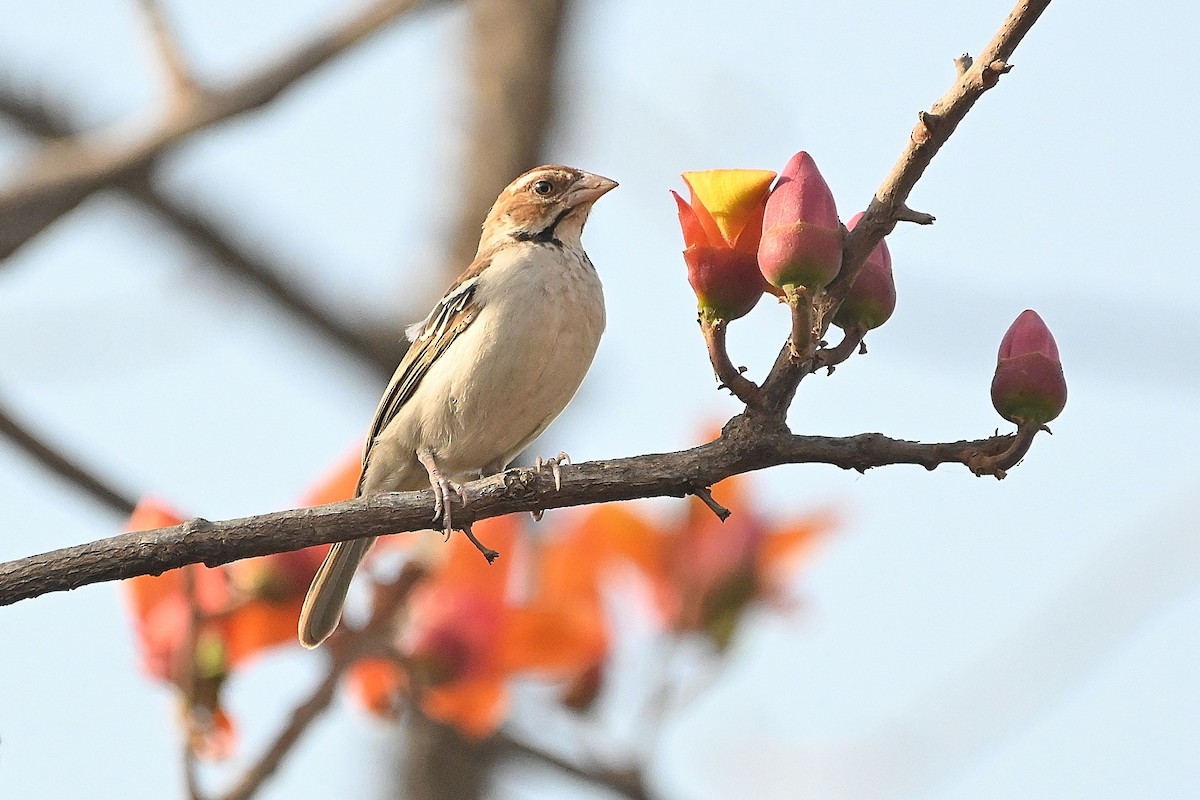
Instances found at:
x=430 y=337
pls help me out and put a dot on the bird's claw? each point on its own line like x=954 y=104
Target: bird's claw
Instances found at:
x=441 y=503
x=442 y=487
x=555 y=465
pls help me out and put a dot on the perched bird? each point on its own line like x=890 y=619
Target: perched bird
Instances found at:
x=497 y=359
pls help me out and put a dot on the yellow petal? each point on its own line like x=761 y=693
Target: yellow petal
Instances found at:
x=732 y=197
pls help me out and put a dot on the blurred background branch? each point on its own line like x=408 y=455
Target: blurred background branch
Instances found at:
x=513 y=49
x=65 y=466
x=62 y=173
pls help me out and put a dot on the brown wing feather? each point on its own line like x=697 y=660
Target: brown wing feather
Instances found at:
x=452 y=315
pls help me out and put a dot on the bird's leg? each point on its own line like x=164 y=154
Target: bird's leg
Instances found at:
x=488 y=553
x=555 y=465
x=442 y=487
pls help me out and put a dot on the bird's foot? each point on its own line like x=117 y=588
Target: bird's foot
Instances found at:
x=555 y=465
x=442 y=487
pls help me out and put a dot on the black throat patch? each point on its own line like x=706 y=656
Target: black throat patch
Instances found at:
x=546 y=234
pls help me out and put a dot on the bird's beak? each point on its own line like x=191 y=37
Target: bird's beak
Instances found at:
x=589 y=188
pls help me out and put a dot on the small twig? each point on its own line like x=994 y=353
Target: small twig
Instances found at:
x=963 y=63
x=705 y=495
x=301 y=717
x=64 y=466
x=729 y=376
x=346 y=648
x=832 y=356
x=167 y=50
x=188 y=683
x=906 y=214
x=629 y=783
x=998 y=464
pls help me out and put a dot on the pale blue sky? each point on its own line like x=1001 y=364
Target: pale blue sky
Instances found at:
x=960 y=637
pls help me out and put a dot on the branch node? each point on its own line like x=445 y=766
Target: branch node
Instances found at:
x=705 y=495
x=963 y=63
x=851 y=341
x=993 y=71
x=196 y=525
x=927 y=123
x=998 y=464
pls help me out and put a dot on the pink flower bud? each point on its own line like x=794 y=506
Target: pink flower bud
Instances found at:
x=1029 y=387
x=802 y=238
x=872 y=297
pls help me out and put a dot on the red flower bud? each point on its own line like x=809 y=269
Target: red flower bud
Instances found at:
x=721 y=227
x=1029 y=387
x=802 y=237
x=872 y=297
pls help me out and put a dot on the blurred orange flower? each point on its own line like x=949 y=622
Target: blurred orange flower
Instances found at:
x=703 y=572
x=240 y=610
x=468 y=630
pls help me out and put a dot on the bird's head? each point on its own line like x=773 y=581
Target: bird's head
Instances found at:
x=546 y=204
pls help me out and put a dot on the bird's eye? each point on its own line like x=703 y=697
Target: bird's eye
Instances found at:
x=543 y=188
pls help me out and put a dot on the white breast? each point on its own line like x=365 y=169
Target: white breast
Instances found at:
x=506 y=377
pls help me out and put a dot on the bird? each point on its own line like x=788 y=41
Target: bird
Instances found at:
x=496 y=360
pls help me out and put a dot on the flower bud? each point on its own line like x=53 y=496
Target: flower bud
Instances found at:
x=802 y=238
x=1029 y=387
x=721 y=227
x=872 y=297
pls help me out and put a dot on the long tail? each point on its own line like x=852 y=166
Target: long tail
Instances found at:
x=323 y=604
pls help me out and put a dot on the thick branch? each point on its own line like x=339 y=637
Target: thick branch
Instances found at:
x=64 y=173
x=745 y=445
x=889 y=203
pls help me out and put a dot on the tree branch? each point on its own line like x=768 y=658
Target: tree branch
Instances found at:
x=888 y=205
x=748 y=443
x=62 y=174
